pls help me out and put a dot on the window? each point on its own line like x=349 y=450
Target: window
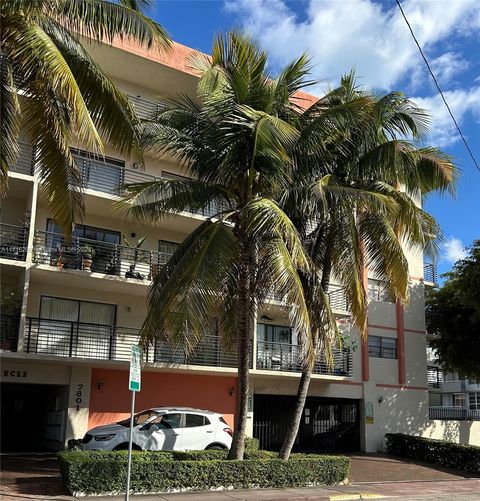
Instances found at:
x=194 y=420
x=165 y=251
x=378 y=291
x=274 y=334
x=382 y=347
x=474 y=401
x=459 y=400
x=171 y=420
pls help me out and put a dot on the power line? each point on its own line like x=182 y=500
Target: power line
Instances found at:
x=438 y=86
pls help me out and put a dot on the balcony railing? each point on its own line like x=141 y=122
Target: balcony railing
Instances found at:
x=146 y=109
x=434 y=376
x=454 y=414
x=100 y=257
x=13 y=242
x=25 y=163
x=106 y=342
x=286 y=358
x=9 y=325
x=430 y=274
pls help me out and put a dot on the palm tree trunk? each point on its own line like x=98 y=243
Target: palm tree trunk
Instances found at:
x=245 y=328
x=304 y=384
x=294 y=425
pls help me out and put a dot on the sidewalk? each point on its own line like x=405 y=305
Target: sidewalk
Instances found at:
x=450 y=490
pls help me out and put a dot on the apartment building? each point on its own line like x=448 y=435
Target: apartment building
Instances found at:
x=72 y=313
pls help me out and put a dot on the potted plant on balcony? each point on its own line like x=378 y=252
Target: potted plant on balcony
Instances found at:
x=131 y=273
x=87 y=252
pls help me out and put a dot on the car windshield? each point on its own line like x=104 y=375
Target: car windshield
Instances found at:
x=139 y=418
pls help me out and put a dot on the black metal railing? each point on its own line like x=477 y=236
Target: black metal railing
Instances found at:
x=430 y=274
x=110 y=342
x=100 y=257
x=13 y=241
x=9 y=325
x=287 y=358
x=454 y=414
x=146 y=109
x=434 y=376
x=209 y=352
x=25 y=162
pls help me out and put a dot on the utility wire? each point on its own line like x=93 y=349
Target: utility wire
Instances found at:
x=438 y=86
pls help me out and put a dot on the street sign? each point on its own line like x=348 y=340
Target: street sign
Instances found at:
x=133 y=386
x=135 y=370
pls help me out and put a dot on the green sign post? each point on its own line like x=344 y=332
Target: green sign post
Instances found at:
x=134 y=384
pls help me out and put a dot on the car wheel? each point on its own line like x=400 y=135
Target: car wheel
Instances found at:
x=215 y=448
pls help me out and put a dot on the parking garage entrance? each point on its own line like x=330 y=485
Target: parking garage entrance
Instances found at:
x=33 y=416
x=327 y=425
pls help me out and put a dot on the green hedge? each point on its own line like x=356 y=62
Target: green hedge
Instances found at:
x=102 y=472
x=461 y=457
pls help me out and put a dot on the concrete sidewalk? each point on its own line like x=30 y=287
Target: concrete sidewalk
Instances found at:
x=449 y=490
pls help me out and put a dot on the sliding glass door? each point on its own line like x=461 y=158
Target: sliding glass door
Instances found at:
x=69 y=327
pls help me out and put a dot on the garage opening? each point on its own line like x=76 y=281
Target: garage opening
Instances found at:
x=327 y=425
x=33 y=417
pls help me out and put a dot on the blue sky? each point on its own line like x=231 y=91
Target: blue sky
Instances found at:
x=371 y=37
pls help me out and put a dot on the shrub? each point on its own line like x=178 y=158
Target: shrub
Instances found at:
x=461 y=457
x=252 y=444
x=102 y=472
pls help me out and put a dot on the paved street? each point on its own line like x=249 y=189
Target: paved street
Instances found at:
x=36 y=477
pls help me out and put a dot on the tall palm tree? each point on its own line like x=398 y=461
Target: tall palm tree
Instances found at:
x=53 y=90
x=235 y=143
x=362 y=202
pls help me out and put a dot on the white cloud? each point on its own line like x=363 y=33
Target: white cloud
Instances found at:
x=369 y=36
x=462 y=102
x=453 y=250
x=448 y=66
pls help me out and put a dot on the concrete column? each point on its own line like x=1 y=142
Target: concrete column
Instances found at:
x=78 y=402
x=368 y=426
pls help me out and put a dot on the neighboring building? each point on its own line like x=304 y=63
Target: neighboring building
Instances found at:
x=66 y=340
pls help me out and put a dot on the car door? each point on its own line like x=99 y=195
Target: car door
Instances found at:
x=163 y=433
x=198 y=432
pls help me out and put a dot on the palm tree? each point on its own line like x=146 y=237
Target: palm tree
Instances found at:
x=54 y=92
x=362 y=202
x=235 y=143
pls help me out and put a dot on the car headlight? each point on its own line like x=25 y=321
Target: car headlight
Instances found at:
x=104 y=438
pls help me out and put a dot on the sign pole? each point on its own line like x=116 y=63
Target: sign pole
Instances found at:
x=130 y=441
x=133 y=386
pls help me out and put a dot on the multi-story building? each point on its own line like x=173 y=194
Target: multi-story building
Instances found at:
x=71 y=314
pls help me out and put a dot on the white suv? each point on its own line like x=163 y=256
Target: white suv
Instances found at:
x=163 y=429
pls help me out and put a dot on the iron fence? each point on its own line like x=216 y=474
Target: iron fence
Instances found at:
x=454 y=413
x=287 y=358
x=13 y=242
x=93 y=255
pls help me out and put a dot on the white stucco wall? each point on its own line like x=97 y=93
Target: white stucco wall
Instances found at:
x=459 y=432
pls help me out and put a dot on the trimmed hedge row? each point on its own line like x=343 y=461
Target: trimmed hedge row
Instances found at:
x=103 y=472
x=461 y=457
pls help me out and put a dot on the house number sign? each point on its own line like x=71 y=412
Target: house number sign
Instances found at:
x=79 y=396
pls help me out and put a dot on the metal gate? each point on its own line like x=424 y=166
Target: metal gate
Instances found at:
x=328 y=424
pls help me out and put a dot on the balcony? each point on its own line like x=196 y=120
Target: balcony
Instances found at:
x=430 y=274
x=9 y=325
x=454 y=414
x=434 y=377
x=284 y=357
x=13 y=242
x=145 y=109
x=60 y=338
x=96 y=256
x=25 y=163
